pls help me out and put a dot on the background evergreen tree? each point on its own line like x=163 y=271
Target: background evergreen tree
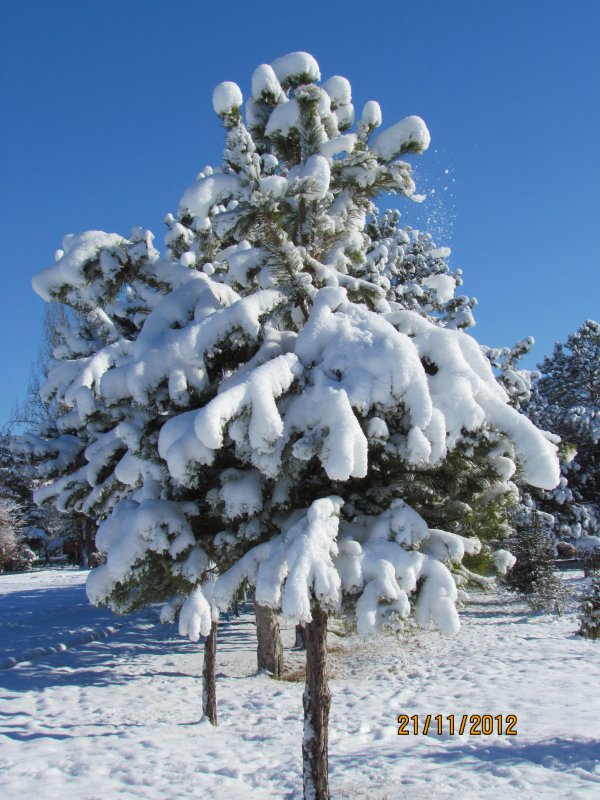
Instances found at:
x=566 y=401
x=533 y=574
x=32 y=527
x=102 y=310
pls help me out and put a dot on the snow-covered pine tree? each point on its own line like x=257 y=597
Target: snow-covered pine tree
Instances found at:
x=286 y=383
x=9 y=525
x=516 y=381
x=14 y=485
x=102 y=448
x=76 y=451
x=532 y=574
x=14 y=551
x=36 y=409
x=566 y=401
x=22 y=519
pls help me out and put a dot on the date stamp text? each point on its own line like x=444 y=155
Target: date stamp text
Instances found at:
x=470 y=724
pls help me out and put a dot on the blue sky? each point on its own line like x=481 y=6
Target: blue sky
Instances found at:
x=107 y=118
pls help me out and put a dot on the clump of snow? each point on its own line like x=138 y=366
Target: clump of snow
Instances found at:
x=102 y=250
x=377 y=428
x=317 y=168
x=206 y=192
x=339 y=89
x=131 y=531
x=371 y=114
x=275 y=185
x=449 y=547
x=503 y=561
x=344 y=116
x=265 y=85
x=241 y=492
x=296 y=67
x=337 y=145
x=227 y=97
x=257 y=393
x=195 y=616
x=410 y=135
x=443 y=285
x=291 y=568
x=283 y=118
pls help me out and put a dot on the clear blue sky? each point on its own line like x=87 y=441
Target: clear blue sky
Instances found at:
x=107 y=117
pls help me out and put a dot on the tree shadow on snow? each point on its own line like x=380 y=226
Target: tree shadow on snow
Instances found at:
x=99 y=663
x=36 y=618
x=117 y=648
x=557 y=754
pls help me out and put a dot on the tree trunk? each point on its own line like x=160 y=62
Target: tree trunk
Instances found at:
x=300 y=642
x=89 y=528
x=269 y=650
x=209 y=681
x=316 y=701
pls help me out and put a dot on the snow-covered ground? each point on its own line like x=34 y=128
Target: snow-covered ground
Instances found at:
x=96 y=708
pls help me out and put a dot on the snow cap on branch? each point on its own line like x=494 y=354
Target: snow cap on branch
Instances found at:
x=227 y=98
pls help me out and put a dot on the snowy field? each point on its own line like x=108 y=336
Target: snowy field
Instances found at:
x=95 y=708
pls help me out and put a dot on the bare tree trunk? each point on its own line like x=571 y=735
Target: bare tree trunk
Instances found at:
x=209 y=681
x=300 y=642
x=89 y=528
x=269 y=650
x=316 y=701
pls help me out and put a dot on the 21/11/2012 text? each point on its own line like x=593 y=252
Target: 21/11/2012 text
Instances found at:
x=472 y=725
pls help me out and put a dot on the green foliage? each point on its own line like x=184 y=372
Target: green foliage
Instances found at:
x=533 y=574
x=480 y=563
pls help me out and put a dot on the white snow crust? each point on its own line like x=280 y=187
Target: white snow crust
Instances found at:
x=110 y=707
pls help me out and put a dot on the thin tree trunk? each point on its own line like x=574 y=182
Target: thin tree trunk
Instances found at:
x=209 y=681
x=300 y=642
x=316 y=701
x=269 y=651
x=89 y=528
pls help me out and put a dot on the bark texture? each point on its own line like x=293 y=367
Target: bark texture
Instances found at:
x=300 y=642
x=209 y=680
x=269 y=651
x=316 y=700
x=89 y=530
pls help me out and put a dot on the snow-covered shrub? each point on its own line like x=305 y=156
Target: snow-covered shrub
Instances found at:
x=565 y=550
x=14 y=552
x=8 y=538
x=23 y=559
x=589 y=611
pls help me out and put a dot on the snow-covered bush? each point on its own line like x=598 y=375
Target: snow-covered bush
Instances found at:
x=253 y=407
x=565 y=550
